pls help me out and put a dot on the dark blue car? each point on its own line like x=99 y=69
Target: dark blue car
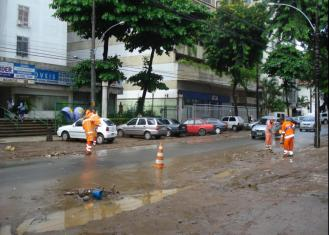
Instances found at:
x=174 y=127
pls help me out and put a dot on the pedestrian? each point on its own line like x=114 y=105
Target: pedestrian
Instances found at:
x=120 y=108
x=10 y=105
x=96 y=121
x=268 y=133
x=287 y=137
x=88 y=128
x=21 y=111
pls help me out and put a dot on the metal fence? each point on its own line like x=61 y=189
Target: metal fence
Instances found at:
x=217 y=111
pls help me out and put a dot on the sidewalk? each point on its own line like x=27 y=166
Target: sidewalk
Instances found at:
x=26 y=139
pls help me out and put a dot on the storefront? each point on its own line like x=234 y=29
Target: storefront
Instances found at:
x=39 y=88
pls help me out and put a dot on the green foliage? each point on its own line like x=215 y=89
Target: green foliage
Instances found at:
x=235 y=40
x=108 y=70
x=119 y=120
x=302 y=101
x=289 y=65
x=290 y=25
x=271 y=96
x=148 y=82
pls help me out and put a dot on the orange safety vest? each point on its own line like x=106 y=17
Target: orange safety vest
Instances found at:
x=288 y=129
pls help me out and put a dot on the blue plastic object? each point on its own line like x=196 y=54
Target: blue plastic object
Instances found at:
x=97 y=194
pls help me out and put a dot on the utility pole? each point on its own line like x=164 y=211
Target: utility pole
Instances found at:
x=257 y=93
x=92 y=58
x=317 y=78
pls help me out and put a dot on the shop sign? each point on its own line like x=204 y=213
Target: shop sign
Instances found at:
x=6 y=69
x=46 y=76
x=24 y=71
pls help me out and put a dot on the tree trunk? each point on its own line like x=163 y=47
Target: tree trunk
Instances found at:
x=149 y=71
x=286 y=97
x=105 y=46
x=236 y=113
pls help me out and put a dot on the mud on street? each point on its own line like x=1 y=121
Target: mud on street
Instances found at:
x=245 y=190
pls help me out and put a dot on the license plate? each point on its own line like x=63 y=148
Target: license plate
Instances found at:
x=259 y=133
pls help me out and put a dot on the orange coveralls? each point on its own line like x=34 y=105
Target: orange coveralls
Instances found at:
x=287 y=137
x=96 y=120
x=268 y=134
x=88 y=126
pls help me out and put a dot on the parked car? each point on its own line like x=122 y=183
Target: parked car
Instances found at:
x=324 y=117
x=250 y=125
x=198 y=127
x=258 y=130
x=219 y=125
x=174 y=127
x=234 y=122
x=297 y=120
x=105 y=132
x=143 y=126
x=307 y=124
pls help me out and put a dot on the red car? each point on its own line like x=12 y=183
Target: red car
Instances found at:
x=198 y=127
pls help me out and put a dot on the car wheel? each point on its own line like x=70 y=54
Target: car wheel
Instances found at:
x=253 y=137
x=65 y=136
x=234 y=128
x=121 y=133
x=217 y=131
x=100 y=139
x=147 y=135
x=202 y=132
x=169 y=133
x=110 y=140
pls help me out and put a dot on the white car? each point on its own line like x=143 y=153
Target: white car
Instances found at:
x=308 y=124
x=234 y=122
x=107 y=131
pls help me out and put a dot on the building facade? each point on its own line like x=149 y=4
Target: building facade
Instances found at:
x=33 y=57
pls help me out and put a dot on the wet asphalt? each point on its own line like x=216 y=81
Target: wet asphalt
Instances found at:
x=22 y=182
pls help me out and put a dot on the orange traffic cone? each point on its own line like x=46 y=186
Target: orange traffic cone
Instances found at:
x=159 y=160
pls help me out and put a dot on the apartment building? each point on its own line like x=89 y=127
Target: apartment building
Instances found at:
x=188 y=84
x=33 y=57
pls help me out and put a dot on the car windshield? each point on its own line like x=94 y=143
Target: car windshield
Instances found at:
x=308 y=119
x=174 y=121
x=263 y=121
x=108 y=122
x=159 y=122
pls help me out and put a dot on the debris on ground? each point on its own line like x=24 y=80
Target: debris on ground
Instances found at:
x=10 y=148
x=96 y=193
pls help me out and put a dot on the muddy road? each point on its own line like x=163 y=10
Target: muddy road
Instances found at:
x=210 y=185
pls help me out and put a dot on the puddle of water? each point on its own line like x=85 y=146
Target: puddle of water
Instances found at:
x=91 y=211
x=225 y=174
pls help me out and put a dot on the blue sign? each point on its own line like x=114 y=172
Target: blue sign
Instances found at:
x=46 y=76
x=24 y=71
x=6 y=69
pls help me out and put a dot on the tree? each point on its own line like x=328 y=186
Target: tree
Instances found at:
x=160 y=25
x=271 y=96
x=108 y=70
x=289 y=65
x=77 y=13
x=146 y=83
x=289 y=25
x=235 y=40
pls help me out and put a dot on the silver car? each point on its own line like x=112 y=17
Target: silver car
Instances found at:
x=307 y=124
x=258 y=130
x=143 y=126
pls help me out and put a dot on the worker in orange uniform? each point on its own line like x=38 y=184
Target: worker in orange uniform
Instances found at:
x=96 y=121
x=268 y=134
x=88 y=127
x=287 y=137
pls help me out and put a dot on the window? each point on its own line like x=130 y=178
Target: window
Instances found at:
x=22 y=46
x=232 y=119
x=78 y=123
x=225 y=119
x=23 y=16
x=150 y=122
x=132 y=122
x=141 y=122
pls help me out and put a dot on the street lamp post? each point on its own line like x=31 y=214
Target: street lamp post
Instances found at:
x=316 y=35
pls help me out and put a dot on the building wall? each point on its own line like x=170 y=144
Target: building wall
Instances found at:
x=47 y=35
